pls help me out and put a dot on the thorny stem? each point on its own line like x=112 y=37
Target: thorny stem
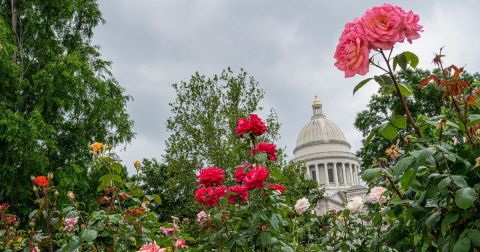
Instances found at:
x=404 y=104
x=395 y=188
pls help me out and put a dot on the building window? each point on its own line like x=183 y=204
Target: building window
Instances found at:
x=330 y=176
x=313 y=172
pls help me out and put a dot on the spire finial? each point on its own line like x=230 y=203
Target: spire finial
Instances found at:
x=317 y=108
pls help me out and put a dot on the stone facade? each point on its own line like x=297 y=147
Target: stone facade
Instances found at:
x=325 y=151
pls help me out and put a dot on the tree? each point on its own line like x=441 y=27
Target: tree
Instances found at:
x=202 y=127
x=57 y=96
x=426 y=102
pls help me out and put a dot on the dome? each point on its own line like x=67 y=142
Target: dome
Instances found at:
x=320 y=135
x=321 y=131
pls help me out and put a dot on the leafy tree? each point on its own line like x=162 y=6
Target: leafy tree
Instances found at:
x=57 y=96
x=202 y=127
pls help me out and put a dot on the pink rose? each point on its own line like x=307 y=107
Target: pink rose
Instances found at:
x=384 y=26
x=255 y=177
x=202 y=216
x=151 y=247
x=268 y=148
x=411 y=26
x=352 y=53
x=181 y=243
x=376 y=195
x=258 y=127
x=243 y=126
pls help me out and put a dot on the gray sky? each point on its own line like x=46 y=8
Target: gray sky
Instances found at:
x=287 y=46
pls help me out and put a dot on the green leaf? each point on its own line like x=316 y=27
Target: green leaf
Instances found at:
x=389 y=132
x=474 y=119
x=433 y=219
x=361 y=84
x=399 y=121
x=89 y=235
x=465 y=197
x=400 y=60
x=2 y=231
x=444 y=183
x=157 y=199
x=412 y=59
x=462 y=245
x=449 y=219
x=383 y=80
x=474 y=236
x=260 y=157
x=370 y=174
x=408 y=178
x=459 y=181
x=403 y=164
x=405 y=89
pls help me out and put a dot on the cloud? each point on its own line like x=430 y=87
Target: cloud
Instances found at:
x=287 y=46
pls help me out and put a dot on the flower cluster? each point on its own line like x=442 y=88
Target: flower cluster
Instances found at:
x=70 y=224
x=379 y=28
x=248 y=177
x=255 y=126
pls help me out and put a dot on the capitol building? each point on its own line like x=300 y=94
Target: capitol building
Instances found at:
x=324 y=150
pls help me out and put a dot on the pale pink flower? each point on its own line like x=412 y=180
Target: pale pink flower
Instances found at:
x=168 y=230
x=181 y=243
x=376 y=195
x=352 y=53
x=384 y=26
x=70 y=224
x=151 y=247
x=411 y=26
x=202 y=216
x=355 y=205
x=302 y=205
x=35 y=249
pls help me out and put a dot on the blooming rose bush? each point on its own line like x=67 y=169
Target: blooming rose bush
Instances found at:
x=424 y=191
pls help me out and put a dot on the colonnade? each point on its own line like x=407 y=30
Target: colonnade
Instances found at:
x=334 y=174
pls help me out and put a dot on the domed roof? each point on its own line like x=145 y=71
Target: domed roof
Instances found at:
x=320 y=130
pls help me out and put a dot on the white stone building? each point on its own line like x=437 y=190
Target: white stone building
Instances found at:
x=325 y=151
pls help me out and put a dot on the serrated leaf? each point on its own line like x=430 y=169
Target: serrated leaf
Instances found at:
x=403 y=164
x=370 y=174
x=462 y=245
x=433 y=219
x=465 y=197
x=89 y=235
x=405 y=89
x=444 y=183
x=449 y=219
x=361 y=84
x=389 y=132
x=408 y=178
x=399 y=121
x=459 y=181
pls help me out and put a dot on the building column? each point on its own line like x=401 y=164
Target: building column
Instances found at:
x=355 y=173
x=325 y=170
x=358 y=174
x=318 y=173
x=350 y=170
x=335 y=174
x=344 y=175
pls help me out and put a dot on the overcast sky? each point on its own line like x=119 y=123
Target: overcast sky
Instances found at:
x=287 y=46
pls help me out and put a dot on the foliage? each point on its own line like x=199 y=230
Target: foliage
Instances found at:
x=202 y=131
x=56 y=96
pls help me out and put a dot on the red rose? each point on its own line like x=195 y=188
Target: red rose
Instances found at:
x=41 y=181
x=210 y=176
x=209 y=196
x=240 y=173
x=243 y=126
x=237 y=193
x=258 y=127
x=269 y=148
x=278 y=187
x=256 y=176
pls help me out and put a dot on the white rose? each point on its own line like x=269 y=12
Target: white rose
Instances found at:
x=355 y=204
x=302 y=205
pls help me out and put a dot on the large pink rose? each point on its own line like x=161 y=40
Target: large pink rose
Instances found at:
x=411 y=26
x=352 y=54
x=384 y=26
